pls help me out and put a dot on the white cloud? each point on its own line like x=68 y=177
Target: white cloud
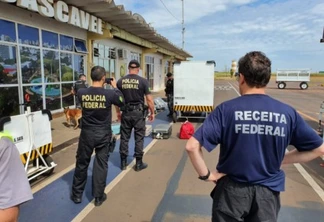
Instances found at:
x=227 y=29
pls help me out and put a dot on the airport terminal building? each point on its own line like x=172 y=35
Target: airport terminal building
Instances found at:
x=46 y=44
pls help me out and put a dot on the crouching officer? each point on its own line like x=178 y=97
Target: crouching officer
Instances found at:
x=134 y=89
x=96 y=133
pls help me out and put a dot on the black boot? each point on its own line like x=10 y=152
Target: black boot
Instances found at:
x=140 y=165
x=123 y=163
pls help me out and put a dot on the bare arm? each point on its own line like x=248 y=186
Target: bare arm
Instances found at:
x=295 y=156
x=9 y=214
x=194 y=151
x=150 y=103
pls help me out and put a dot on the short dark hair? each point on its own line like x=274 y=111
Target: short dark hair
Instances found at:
x=81 y=75
x=255 y=66
x=97 y=72
x=169 y=74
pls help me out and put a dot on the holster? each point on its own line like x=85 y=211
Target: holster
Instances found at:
x=145 y=111
x=112 y=144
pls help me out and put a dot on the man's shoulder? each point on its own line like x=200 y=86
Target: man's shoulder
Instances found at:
x=264 y=101
x=4 y=144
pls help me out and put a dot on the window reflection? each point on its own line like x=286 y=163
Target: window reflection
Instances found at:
x=28 y=35
x=30 y=65
x=9 y=101
x=33 y=97
x=66 y=67
x=53 y=96
x=7 y=31
x=50 y=39
x=78 y=66
x=8 y=65
x=66 y=43
x=67 y=96
x=51 y=66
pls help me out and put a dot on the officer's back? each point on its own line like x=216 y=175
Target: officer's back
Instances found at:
x=133 y=87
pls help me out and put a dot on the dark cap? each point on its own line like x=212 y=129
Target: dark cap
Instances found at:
x=133 y=64
x=169 y=74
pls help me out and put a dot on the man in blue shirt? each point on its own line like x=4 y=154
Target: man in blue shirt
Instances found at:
x=253 y=131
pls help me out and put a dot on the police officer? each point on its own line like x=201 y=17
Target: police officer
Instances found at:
x=134 y=89
x=169 y=92
x=79 y=84
x=96 y=134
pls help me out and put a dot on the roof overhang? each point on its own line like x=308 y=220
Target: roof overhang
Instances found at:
x=135 y=24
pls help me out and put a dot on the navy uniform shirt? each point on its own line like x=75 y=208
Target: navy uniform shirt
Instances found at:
x=79 y=84
x=253 y=132
x=169 y=87
x=96 y=105
x=134 y=88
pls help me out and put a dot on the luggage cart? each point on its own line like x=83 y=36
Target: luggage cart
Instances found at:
x=31 y=133
x=193 y=89
x=293 y=75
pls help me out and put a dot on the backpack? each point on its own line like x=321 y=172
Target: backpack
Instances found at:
x=186 y=130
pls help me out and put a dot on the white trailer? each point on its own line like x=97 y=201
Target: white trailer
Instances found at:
x=193 y=89
x=32 y=134
x=293 y=75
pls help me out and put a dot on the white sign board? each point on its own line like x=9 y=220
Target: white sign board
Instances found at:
x=29 y=131
x=194 y=83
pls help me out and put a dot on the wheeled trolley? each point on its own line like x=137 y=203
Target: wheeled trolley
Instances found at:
x=297 y=75
x=31 y=133
x=193 y=89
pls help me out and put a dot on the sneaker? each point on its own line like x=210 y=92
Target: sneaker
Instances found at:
x=100 y=200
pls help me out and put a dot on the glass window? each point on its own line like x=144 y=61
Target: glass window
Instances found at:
x=33 y=97
x=50 y=39
x=8 y=64
x=112 y=68
x=101 y=62
x=53 y=96
x=7 y=31
x=9 y=104
x=51 y=63
x=78 y=66
x=66 y=43
x=66 y=67
x=80 y=46
x=28 y=35
x=101 y=51
x=67 y=96
x=106 y=52
x=30 y=65
x=106 y=66
x=95 y=61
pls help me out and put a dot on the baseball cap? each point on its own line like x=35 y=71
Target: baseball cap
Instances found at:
x=133 y=64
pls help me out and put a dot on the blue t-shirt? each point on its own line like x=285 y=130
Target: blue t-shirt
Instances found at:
x=253 y=132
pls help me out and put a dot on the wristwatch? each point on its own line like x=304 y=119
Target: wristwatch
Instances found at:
x=204 y=177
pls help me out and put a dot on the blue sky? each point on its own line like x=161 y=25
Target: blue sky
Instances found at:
x=288 y=31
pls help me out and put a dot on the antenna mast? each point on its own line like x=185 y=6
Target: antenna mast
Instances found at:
x=183 y=28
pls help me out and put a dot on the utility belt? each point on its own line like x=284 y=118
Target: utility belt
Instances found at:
x=139 y=107
x=129 y=108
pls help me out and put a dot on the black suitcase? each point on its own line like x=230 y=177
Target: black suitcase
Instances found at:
x=162 y=131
